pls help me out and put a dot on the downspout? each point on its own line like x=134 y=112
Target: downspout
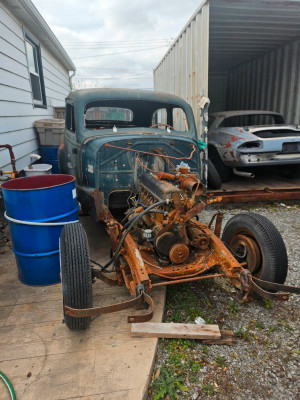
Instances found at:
x=70 y=80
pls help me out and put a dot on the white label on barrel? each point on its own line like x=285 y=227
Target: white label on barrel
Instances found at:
x=91 y=169
x=74 y=193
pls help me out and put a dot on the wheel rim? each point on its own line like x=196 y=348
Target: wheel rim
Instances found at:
x=246 y=247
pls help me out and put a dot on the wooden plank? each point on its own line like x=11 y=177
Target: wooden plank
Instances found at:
x=174 y=330
x=227 y=337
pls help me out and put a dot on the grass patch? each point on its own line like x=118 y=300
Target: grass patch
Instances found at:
x=180 y=368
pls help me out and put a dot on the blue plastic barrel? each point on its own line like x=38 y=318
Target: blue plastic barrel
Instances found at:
x=49 y=156
x=37 y=207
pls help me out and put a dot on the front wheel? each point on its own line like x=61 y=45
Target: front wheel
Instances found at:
x=76 y=277
x=255 y=240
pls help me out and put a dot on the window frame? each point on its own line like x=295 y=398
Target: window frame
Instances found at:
x=36 y=45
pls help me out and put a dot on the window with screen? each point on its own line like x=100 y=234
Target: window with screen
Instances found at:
x=35 y=71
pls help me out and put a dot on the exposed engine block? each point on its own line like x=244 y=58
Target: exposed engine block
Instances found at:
x=171 y=229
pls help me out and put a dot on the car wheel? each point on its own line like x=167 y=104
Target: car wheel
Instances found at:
x=75 y=273
x=257 y=242
x=213 y=177
x=289 y=171
x=222 y=169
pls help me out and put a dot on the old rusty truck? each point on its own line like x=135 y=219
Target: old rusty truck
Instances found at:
x=136 y=159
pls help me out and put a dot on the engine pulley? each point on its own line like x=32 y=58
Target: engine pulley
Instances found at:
x=179 y=253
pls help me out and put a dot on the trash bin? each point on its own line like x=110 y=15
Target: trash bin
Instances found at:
x=38 y=169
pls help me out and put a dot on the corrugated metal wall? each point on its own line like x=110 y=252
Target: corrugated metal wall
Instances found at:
x=270 y=82
x=184 y=69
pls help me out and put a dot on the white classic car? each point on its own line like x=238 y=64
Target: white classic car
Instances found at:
x=252 y=138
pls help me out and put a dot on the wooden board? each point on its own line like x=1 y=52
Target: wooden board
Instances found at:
x=227 y=337
x=44 y=360
x=173 y=330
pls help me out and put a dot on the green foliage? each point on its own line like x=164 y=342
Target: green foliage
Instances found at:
x=221 y=361
x=242 y=333
x=167 y=384
x=233 y=307
x=208 y=389
x=267 y=303
x=182 y=365
x=259 y=325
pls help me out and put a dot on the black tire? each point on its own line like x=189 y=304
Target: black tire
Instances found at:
x=76 y=275
x=213 y=177
x=289 y=171
x=223 y=170
x=271 y=262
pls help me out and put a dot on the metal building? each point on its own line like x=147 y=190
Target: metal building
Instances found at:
x=242 y=54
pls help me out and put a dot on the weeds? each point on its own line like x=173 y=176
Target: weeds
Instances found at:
x=233 y=307
x=208 y=389
x=221 y=361
x=167 y=384
x=259 y=325
x=181 y=366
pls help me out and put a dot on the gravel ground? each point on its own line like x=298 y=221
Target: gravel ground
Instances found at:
x=264 y=363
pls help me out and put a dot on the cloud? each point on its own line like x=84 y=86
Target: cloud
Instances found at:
x=112 y=36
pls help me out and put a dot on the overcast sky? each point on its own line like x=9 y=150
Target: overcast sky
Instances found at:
x=116 y=43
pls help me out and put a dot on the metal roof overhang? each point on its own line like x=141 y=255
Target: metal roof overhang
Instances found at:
x=242 y=30
x=35 y=23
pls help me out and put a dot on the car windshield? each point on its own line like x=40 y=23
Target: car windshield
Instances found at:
x=252 y=120
x=137 y=114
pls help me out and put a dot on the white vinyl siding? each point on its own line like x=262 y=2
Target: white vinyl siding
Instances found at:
x=17 y=111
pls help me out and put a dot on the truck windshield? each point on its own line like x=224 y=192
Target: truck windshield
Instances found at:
x=139 y=114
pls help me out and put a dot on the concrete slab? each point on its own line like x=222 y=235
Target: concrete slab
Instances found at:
x=44 y=360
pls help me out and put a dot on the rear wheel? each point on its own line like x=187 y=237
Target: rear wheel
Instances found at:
x=223 y=170
x=255 y=240
x=75 y=273
x=289 y=171
x=213 y=177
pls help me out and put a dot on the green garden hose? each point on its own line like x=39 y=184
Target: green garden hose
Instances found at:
x=8 y=385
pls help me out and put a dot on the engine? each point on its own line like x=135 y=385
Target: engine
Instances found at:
x=170 y=229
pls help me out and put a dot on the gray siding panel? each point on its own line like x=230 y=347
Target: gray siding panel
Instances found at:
x=270 y=82
x=17 y=113
x=8 y=78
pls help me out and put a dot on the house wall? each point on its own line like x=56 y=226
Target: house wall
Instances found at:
x=270 y=82
x=17 y=113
